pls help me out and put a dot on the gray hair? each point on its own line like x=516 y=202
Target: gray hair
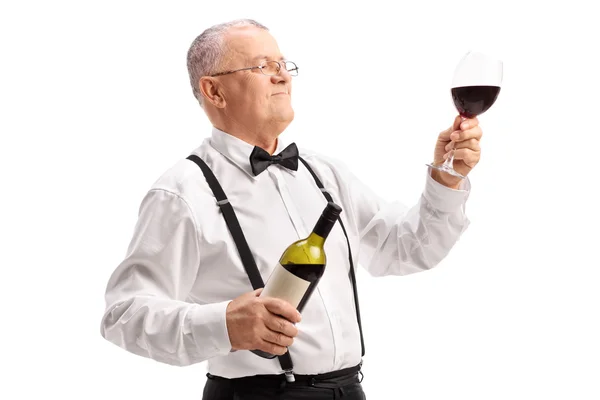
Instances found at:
x=207 y=52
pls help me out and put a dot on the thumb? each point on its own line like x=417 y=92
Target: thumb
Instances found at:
x=456 y=125
x=257 y=292
x=445 y=135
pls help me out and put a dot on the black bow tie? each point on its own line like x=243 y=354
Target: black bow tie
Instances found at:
x=261 y=159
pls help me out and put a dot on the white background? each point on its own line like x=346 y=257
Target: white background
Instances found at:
x=95 y=104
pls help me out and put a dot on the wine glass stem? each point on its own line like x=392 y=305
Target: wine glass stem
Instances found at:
x=450 y=160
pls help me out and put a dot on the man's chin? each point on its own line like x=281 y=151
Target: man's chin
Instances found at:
x=285 y=116
x=283 y=120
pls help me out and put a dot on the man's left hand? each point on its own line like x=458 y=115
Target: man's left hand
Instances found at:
x=465 y=135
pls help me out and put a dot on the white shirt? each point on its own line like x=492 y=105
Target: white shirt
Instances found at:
x=167 y=299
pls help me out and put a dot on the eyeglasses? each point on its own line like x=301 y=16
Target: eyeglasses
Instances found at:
x=268 y=68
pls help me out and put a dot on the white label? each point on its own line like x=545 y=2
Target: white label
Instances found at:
x=282 y=284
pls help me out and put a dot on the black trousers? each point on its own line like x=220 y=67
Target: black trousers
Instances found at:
x=343 y=385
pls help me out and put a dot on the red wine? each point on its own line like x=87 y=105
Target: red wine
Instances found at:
x=471 y=101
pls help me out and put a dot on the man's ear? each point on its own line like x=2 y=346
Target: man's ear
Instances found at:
x=211 y=90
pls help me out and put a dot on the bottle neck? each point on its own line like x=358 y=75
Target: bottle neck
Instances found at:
x=321 y=230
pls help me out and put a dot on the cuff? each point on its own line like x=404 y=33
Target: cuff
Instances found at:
x=444 y=198
x=208 y=325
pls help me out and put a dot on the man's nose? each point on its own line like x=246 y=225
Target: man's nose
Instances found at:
x=283 y=75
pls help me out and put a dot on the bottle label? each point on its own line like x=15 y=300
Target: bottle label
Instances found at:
x=282 y=284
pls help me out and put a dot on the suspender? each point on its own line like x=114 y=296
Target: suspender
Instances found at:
x=352 y=275
x=240 y=241
x=232 y=223
x=246 y=255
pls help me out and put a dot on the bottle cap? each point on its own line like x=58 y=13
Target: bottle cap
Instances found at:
x=332 y=211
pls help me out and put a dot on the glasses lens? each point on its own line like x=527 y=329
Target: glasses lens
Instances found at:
x=291 y=68
x=270 y=68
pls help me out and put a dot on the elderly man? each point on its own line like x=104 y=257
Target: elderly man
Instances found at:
x=213 y=226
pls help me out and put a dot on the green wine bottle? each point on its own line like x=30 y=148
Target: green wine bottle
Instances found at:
x=301 y=266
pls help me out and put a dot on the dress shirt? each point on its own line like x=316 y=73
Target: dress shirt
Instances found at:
x=167 y=299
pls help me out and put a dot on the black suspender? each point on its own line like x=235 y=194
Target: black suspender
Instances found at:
x=246 y=255
x=240 y=241
x=352 y=275
x=232 y=223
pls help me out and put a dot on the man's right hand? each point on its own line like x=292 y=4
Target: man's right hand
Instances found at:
x=261 y=323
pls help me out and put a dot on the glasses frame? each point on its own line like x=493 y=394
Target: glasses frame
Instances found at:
x=261 y=66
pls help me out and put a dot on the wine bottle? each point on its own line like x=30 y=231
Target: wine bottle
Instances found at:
x=301 y=266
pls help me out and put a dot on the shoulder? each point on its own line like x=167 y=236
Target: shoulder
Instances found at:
x=177 y=177
x=184 y=180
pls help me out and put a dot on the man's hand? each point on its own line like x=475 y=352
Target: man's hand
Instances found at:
x=264 y=323
x=466 y=135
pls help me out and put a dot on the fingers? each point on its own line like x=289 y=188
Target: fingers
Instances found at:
x=277 y=338
x=278 y=333
x=282 y=308
x=272 y=348
x=472 y=144
x=468 y=123
x=456 y=124
x=281 y=325
x=473 y=133
x=468 y=156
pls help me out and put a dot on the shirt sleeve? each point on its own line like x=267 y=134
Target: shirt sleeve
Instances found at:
x=396 y=239
x=146 y=312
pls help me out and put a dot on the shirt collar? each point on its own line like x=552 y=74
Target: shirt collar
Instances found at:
x=238 y=151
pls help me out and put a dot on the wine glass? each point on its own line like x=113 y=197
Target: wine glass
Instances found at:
x=475 y=88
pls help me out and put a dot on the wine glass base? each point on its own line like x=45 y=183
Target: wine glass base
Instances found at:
x=447 y=170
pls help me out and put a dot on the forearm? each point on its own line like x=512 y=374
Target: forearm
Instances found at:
x=168 y=331
x=146 y=308
x=399 y=241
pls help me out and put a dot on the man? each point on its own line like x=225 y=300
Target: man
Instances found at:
x=182 y=294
